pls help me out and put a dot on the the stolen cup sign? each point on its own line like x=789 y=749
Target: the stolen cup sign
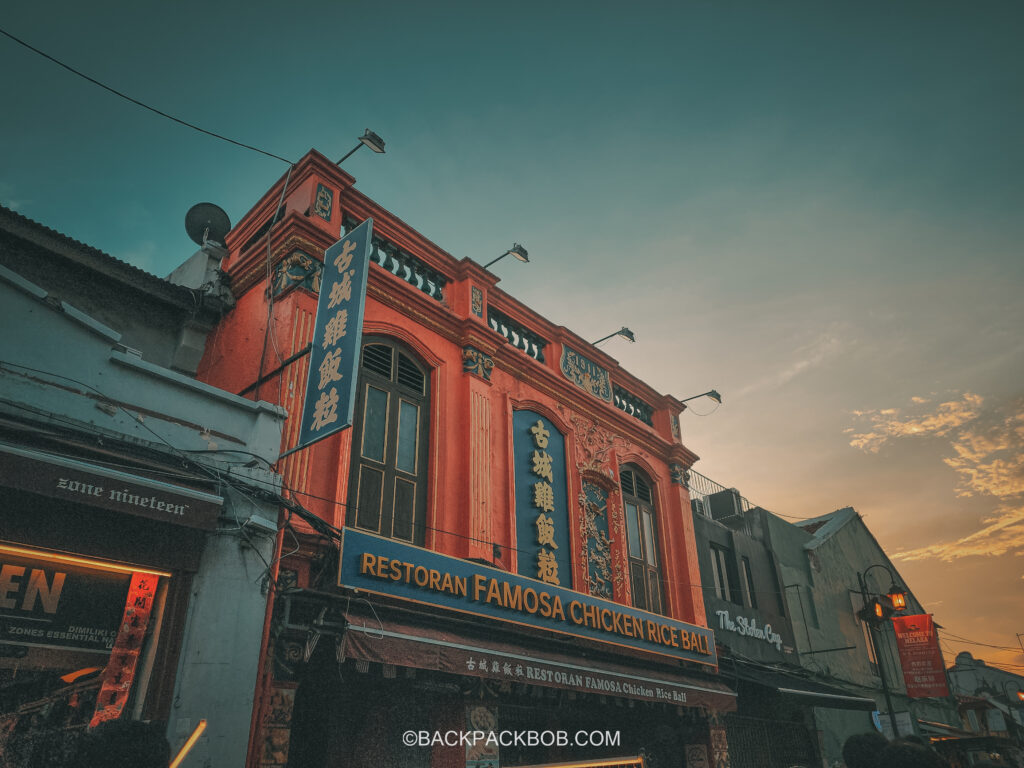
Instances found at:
x=745 y=627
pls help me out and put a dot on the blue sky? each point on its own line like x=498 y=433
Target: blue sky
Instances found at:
x=813 y=208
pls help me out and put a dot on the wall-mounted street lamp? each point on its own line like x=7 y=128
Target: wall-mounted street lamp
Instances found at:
x=516 y=250
x=894 y=600
x=878 y=608
x=369 y=139
x=1018 y=693
x=624 y=332
x=897 y=597
x=710 y=393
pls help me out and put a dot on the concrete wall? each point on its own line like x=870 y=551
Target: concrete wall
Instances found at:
x=64 y=367
x=216 y=678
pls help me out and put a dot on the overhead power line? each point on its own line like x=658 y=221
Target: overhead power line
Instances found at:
x=956 y=638
x=126 y=97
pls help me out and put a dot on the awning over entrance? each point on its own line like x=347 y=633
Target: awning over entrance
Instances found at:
x=943 y=731
x=404 y=643
x=814 y=693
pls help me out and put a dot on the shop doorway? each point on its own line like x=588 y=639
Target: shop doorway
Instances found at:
x=760 y=743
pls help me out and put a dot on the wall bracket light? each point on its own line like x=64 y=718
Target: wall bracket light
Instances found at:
x=369 y=139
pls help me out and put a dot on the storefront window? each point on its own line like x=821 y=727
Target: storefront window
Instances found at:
x=73 y=648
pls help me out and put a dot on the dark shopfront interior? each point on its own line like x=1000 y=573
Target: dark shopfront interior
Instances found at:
x=354 y=714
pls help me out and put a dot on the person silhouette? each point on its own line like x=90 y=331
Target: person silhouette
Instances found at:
x=862 y=750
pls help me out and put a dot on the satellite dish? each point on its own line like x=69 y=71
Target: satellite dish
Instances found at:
x=206 y=221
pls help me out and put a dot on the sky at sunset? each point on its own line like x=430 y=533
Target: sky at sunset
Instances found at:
x=814 y=208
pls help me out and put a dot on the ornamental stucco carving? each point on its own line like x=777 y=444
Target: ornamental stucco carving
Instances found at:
x=476 y=362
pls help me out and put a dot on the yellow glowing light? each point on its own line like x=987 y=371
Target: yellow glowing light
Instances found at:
x=898 y=598
x=100 y=565
x=187 y=746
x=621 y=762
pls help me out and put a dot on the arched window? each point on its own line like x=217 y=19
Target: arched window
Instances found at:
x=642 y=538
x=388 y=479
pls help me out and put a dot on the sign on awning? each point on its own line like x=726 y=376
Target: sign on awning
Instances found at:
x=337 y=335
x=371 y=636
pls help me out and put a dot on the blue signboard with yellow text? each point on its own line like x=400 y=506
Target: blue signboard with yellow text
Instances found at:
x=374 y=564
x=542 y=507
x=337 y=337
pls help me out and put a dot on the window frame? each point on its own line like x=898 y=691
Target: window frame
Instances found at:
x=648 y=544
x=747 y=583
x=723 y=571
x=392 y=479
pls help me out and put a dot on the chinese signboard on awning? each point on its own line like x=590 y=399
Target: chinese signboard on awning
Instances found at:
x=372 y=636
x=337 y=336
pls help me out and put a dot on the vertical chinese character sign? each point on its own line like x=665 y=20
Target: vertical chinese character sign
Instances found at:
x=124 y=658
x=337 y=337
x=542 y=510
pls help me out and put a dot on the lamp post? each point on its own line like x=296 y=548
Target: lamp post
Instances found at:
x=516 y=250
x=1018 y=693
x=369 y=139
x=624 y=332
x=713 y=394
x=874 y=612
x=1014 y=725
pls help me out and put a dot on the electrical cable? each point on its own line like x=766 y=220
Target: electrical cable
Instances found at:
x=269 y=333
x=237 y=485
x=333 y=532
x=697 y=413
x=320 y=525
x=126 y=97
x=270 y=465
x=957 y=638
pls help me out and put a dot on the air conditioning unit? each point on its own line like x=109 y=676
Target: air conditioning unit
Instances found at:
x=726 y=507
x=699 y=507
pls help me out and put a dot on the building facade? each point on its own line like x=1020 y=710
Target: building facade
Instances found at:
x=827 y=565
x=138 y=509
x=991 y=707
x=502 y=540
x=747 y=606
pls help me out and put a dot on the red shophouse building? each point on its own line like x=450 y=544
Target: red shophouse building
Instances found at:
x=468 y=402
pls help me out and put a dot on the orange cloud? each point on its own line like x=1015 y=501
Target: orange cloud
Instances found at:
x=887 y=424
x=991 y=460
x=988 y=457
x=1003 y=533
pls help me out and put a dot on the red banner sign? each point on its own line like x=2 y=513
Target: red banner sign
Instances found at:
x=924 y=672
x=120 y=672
